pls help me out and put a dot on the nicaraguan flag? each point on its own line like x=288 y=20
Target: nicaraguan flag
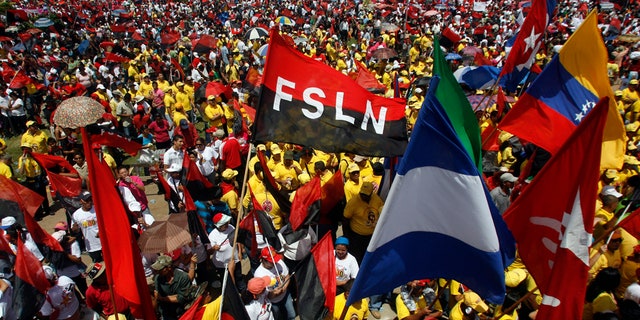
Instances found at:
x=438 y=221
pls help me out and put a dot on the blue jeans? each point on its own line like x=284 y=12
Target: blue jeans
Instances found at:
x=375 y=302
x=284 y=309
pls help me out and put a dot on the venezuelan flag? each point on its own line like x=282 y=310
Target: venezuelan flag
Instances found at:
x=565 y=92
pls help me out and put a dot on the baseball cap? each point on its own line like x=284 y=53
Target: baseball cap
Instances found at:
x=474 y=301
x=275 y=149
x=610 y=191
x=508 y=177
x=634 y=81
x=353 y=168
x=100 y=87
x=49 y=273
x=7 y=222
x=175 y=167
x=86 y=195
x=184 y=124
x=270 y=254
x=358 y=158
x=162 y=262
x=288 y=155
x=229 y=174
x=366 y=188
x=31 y=123
x=514 y=277
x=343 y=241
x=220 y=219
x=257 y=285
x=211 y=97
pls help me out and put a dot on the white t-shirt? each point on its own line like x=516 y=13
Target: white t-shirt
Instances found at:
x=261 y=271
x=20 y=111
x=172 y=156
x=88 y=223
x=260 y=308
x=347 y=268
x=222 y=256
x=62 y=297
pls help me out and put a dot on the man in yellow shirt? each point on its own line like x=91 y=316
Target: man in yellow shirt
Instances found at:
x=35 y=138
x=34 y=180
x=183 y=98
x=286 y=172
x=146 y=88
x=353 y=183
x=362 y=212
x=213 y=112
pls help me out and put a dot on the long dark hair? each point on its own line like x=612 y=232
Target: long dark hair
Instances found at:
x=606 y=280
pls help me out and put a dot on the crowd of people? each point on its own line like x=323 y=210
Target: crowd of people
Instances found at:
x=148 y=65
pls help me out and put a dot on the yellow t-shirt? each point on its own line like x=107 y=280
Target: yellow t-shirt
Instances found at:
x=5 y=170
x=212 y=111
x=401 y=308
x=28 y=167
x=145 y=89
x=351 y=189
x=231 y=198
x=182 y=97
x=38 y=141
x=363 y=216
x=359 y=310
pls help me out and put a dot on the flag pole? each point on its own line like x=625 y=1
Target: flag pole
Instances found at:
x=224 y=285
x=516 y=304
x=240 y=207
x=440 y=292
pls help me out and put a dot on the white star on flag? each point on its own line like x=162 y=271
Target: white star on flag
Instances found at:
x=531 y=39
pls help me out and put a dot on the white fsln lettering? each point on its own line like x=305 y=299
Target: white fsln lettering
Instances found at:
x=280 y=95
x=312 y=97
x=378 y=125
x=306 y=96
x=339 y=114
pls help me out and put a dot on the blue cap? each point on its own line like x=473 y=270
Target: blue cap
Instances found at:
x=342 y=241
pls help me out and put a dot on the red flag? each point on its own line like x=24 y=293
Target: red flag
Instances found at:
x=367 y=80
x=451 y=35
x=115 y=140
x=272 y=186
x=66 y=186
x=316 y=278
x=120 y=250
x=501 y=100
x=178 y=67
x=332 y=193
x=14 y=195
x=529 y=38
x=480 y=60
x=20 y=80
x=632 y=224
x=247 y=233
x=109 y=56
x=31 y=284
x=490 y=140
x=253 y=78
x=193 y=312
x=553 y=235
x=306 y=203
x=7 y=72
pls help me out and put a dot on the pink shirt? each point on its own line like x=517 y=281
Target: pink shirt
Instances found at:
x=137 y=193
x=160 y=132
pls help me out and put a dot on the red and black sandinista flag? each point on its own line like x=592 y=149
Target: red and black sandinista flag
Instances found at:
x=316 y=279
x=306 y=102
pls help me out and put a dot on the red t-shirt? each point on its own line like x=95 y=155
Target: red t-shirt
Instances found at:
x=231 y=153
x=160 y=132
x=99 y=296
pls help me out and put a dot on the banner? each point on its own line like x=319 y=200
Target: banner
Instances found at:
x=309 y=103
